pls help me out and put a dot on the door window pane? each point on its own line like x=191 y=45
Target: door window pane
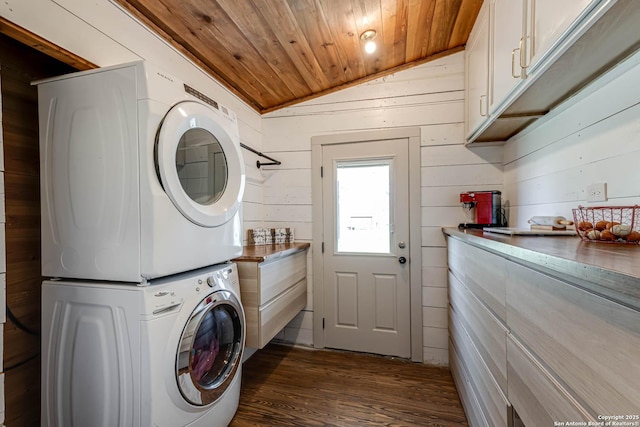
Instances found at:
x=363 y=207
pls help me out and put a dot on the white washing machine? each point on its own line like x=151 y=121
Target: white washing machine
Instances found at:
x=141 y=176
x=165 y=354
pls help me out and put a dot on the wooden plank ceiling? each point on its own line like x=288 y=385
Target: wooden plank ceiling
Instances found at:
x=274 y=53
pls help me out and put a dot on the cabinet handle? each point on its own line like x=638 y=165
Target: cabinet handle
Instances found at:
x=523 y=53
x=513 y=64
x=485 y=110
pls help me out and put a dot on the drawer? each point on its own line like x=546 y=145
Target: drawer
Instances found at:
x=278 y=275
x=535 y=395
x=587 y=342
x=488 y=334
x=482 y=272
x=493 y=402
x=472 y=410
x=280 y=311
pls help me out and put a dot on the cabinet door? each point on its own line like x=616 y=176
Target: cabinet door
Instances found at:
x=587 y=342
x=546 y=23
x=477 y=71
x=537 y=397
x=488 y=335
x=507 y=35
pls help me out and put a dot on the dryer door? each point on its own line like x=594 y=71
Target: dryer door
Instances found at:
x=200 y=164
x=210 y=349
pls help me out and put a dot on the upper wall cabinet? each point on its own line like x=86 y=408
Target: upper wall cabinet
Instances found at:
x=477 y=72
x=508 y=49
x=540 y=53
x=546 y=22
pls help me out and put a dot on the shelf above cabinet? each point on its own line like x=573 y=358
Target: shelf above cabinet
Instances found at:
x=606 y=36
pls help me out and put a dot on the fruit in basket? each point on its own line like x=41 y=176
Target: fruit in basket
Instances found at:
x=593 y=234
x=633 y=237
x=585 y=225
x=621 y=230
x=601 y=225
x=611 y=224
x=607 y=235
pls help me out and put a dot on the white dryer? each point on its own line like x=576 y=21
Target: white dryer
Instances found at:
x=141 y=176
x=166 y=354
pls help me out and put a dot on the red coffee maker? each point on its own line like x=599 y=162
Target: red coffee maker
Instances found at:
x=487 y=211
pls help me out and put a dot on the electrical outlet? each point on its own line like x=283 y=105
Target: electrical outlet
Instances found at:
x=597 y=192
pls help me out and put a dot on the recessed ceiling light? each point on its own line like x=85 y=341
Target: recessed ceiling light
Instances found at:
x=367 y=37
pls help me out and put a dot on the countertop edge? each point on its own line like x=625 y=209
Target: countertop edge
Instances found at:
x=618 y=287
x=267 y=253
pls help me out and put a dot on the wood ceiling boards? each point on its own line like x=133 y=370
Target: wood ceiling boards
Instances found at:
x=275 y=53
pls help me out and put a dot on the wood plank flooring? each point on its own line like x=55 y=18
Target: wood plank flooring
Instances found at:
x=291 y=386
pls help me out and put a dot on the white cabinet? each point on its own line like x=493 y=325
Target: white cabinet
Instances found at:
x=557 y=353
x=588 y=343
x=525 y=57
x=273 y=291
x=507 y=37
x=537 y=396
x=477 y=71
x=546 y=22
x=478 y=335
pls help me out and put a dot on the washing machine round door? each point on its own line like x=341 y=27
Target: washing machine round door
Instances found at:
x=210 y=349
x=199 y=163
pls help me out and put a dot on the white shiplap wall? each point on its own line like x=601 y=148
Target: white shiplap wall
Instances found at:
x=429 y=96
x=594 y=137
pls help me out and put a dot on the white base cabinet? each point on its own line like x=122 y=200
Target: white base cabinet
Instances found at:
x=549 y=350
x=272 y=293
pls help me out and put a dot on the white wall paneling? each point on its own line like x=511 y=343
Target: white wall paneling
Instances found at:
x=434 y=277
x=434 y=297
x=460 y=175
x=592 y=138
x=429 y=96
x=432 y=236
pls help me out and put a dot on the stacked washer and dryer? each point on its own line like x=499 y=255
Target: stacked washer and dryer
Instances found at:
x=141 y=184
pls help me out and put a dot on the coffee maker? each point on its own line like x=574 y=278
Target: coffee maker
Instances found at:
x=487 y=211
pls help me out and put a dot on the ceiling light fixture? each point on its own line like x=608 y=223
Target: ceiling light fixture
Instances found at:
x=367 y=37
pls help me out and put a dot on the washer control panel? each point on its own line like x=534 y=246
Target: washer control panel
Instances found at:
x=226 y=278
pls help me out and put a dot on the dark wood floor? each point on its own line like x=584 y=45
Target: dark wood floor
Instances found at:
x=287 y=386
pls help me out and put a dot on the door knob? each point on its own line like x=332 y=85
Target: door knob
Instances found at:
x=402 y=260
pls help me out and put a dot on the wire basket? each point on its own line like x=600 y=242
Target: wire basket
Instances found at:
x=608 y=224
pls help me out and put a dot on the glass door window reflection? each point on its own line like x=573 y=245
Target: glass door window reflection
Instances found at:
x=363 y=219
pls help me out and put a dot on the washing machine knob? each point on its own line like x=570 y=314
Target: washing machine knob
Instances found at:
x=211 y=281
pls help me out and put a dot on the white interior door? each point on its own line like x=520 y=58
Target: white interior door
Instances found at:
x=365 y=190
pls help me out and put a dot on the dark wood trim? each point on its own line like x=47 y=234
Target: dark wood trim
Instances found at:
x=40 y=44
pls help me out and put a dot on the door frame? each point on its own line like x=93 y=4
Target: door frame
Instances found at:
x=411 y=134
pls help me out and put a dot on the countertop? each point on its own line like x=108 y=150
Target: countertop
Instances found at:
x=264 y=253
x=610 y=270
